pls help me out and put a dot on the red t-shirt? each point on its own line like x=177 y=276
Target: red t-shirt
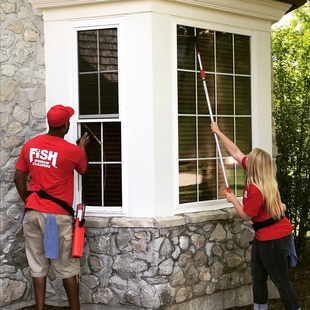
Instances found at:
x=253 y=205
x=51 y=162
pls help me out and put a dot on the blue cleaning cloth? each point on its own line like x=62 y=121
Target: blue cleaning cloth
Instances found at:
x=291 y=252
x=51 y=237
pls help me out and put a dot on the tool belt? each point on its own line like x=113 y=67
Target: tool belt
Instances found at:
x=267 y=222
x=43 y=194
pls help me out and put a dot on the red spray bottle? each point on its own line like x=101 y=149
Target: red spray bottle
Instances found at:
x=78 y=232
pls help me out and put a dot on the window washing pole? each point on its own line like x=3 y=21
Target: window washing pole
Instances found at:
x=203 y=78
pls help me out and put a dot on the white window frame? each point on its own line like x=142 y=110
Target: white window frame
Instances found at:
x=96 y=24
x=219 y=203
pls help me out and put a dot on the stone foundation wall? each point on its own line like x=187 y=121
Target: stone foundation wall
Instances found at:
x=160 y=262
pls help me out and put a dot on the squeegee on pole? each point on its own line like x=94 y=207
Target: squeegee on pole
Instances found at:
x=203 y=78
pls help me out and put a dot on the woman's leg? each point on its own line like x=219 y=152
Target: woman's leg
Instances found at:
x=273 y=254
x=259 y=275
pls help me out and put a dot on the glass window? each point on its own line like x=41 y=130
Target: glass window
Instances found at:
x=226 y=62
x=99 y=113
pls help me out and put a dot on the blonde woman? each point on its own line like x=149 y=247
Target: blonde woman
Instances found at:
x=273 y=231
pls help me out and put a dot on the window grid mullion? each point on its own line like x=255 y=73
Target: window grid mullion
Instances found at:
x=234 y=108
x=197 y=120
x=216 y=113
x=98 y=72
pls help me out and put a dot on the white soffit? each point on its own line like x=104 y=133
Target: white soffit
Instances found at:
x=265 y=9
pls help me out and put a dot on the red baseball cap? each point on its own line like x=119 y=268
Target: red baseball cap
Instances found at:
x=58 y=115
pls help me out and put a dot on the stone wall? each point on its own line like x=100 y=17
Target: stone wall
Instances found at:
x=22 y=116
x=22 y=82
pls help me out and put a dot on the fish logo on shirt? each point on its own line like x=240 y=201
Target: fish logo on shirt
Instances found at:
x=43 y=158
x=245 y=195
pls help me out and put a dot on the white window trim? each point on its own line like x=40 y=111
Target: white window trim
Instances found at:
x=74 y=27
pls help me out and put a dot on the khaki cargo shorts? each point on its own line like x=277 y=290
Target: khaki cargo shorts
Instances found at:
x=64 y=266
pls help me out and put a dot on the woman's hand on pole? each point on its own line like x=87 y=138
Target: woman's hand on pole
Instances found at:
x=230 y=146
x=215 y=128
x=238 y=206
x=231 y=197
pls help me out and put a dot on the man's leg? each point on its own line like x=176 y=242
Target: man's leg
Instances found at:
x=72 y=289
x=39 y=285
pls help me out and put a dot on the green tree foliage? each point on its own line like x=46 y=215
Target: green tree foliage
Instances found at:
x=291 y=63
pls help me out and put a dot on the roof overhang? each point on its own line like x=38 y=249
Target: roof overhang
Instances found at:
x=295 y=4
x=266 y=9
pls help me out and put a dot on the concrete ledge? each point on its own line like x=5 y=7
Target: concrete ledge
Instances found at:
x=161 y=222
x=131 y=222
x=97 y=222
x=198 y=217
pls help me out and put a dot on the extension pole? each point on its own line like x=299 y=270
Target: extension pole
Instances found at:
x=203 y=78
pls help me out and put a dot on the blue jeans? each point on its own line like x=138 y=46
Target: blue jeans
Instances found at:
x=270 y=258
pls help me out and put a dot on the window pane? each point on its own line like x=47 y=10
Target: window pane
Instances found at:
x=186 y=92
x=226 y=124
x=224 y=55
x=91 y=186
x=186 y=49
x=244 y=134
x=202 y=100
x=88 y=93
x=206 y=142
x=94 y=148
x=188 y=181
x=207 y=180
x=112 y=142
x=243 y=95
x=242 y=54
x=108 y=49
x=240 y=180
x=87 y=49
x=109 y=93
x=229 y=171
x=206 y=48
x=187 y=137
x=112 y=185
x=225 y=95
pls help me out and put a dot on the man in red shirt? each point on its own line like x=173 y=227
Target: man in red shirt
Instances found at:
x=51 y=161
